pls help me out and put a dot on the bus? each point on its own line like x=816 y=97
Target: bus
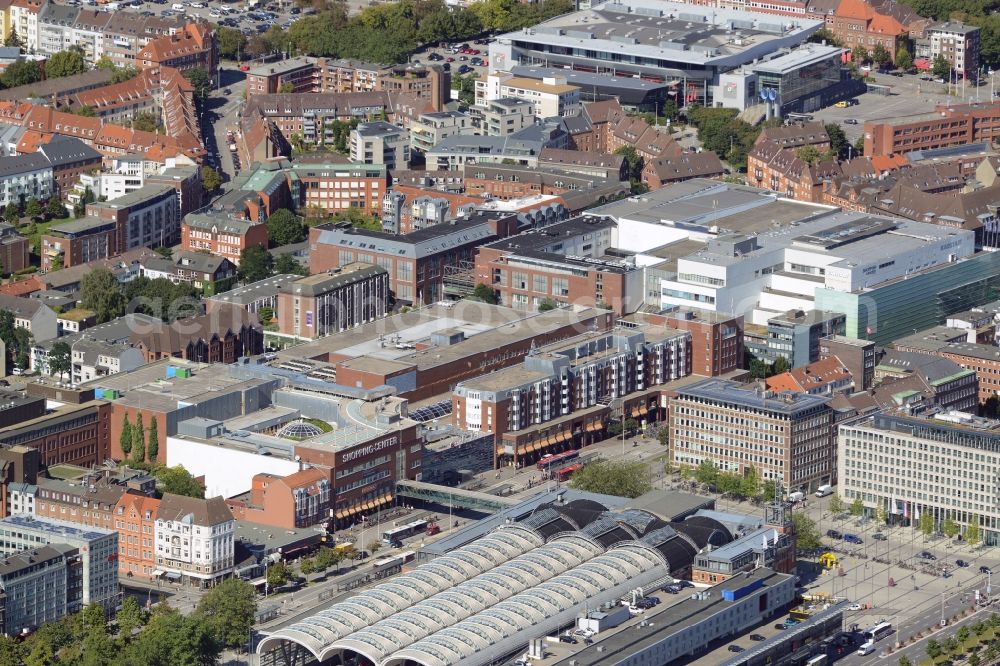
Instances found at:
x=566 y=472
x=818 y=660
x=393 y=564
x=557 y=459
x=402 y=532
x=877 y=632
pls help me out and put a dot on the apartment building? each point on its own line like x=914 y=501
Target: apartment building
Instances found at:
x=293 y=75
x=36 y=587
x=135 y=520
x=550 y=97
x=563 y=396
x=147 y=217
x=334 y=301
x=209 y=274
x=576 y=190
x=429 y=129
x=13 y=249
x=93 y=576
x=787 y=437
x=194 y=539
x=193 y=47
x=24 y=22
x=502 y=117
x=25 y=176
x=942 y=465
x=338 y=187
x=32 y=315
x=127 y=33
x=716 y=339
x=382 y=143
x=958 y=43
x=221 y=235
x=55 y=23
x=952 y=344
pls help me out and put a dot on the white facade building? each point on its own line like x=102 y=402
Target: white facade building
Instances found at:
x=194 y=539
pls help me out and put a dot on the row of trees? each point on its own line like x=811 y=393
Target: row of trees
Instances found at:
x=101 y=292
x=613 y=477
x=748 y=485
x=256 y=263
x=925 y=523
x=33 y=208
x=389 y=33
x=133 y=440
x=164 y=637
x=961 y=643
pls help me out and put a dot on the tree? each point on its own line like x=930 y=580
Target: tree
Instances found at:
x=287 y=87
x=860 y=54
x=485 y=293
x=144 y=122
x=210 y=179
x=154 y=441
x=278 y=574
x=974 y=659
x=11 y=652
x=130 y=617
x=904 y=59
x=11 y=213
x=989 y=409
x=165 y=252
x=255 y=263
x=201 y=81
x=857 y=507
x=836 y=504
x=905 y=661
x=613 y=477
x=12 y=39
x=138 y=440
x=707 y=473
x=972 y=535
x=663 y=436
x=228 y=610
x=547 y=304
x=806 y=534
x=125 y=440
x=880 y=55
x=750 y=484
x=65 y=63
x=634 y=162
x=780 y=365
x=86 y=111
x=824 y=35
x=122 y=74
x=926 y=523
x=811 y=155
x=265 y=314
x=60 y=359
x=881 y=514
x=100 y=292
x=21 y=73
x=286 y=264
x=948 y=527
x=178 y=481
x=859 y=147
x=941 y=68
x=284 y=228
x=33 y=208
x=232 y=43
x=838 y=140
x=171 y=639
x=55 y=208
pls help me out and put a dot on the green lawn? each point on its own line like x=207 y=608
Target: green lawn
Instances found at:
x=41 y=228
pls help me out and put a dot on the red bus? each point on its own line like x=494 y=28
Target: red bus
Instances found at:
x=566 y=472
x=557 y=459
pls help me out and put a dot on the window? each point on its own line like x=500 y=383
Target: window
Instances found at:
x=519 y=280
x=540 y=284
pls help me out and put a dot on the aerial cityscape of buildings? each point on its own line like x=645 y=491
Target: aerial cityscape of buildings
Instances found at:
x=612 y=336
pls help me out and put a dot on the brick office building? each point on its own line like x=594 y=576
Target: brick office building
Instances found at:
x=72 y=434
x=147 y=217
x=788 y=437
x=301 y=499
x=13 y=249
x=194 y=47
x=135 y=520
x=79 y=242
x=221 y=235
x=69 y=158
x=415 y=262
x=947 y=125
x=563 y=262
x=716 y=339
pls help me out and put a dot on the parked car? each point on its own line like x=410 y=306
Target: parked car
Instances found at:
x=851 y=121
x=982 y=570
x=735 y=648
x=757 y=637
x=780 y=626
x=853 y=538
x=464 y=69
x=854 y=607
x=567 y=639
x=962 y=563
x=834 y=534
x=928 y=555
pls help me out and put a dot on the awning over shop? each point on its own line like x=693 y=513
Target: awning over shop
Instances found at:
x=173 y=575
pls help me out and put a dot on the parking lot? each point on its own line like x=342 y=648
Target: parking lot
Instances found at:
x=471 y=57
x=909 y=95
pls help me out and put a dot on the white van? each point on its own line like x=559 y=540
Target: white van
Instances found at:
x=796 y=497
x=866 y=648
x=823 y=491
x=177 y=7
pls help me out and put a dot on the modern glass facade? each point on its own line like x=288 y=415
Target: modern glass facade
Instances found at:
x=897 y=308
x=805 y=81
